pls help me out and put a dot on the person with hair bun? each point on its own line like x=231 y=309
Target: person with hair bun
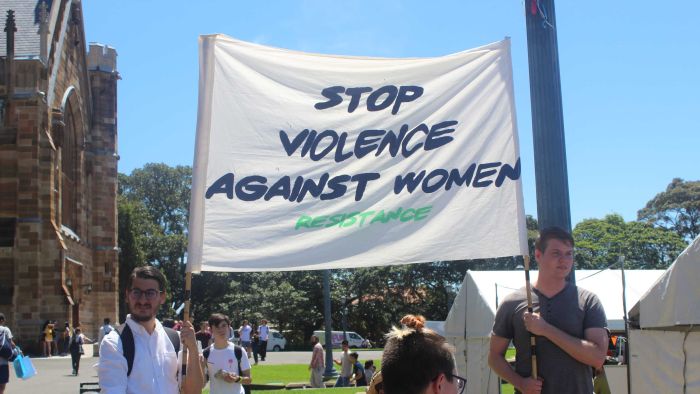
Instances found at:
x=417 y=360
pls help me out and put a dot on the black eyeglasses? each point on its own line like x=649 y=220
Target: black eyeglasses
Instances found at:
x=150 y=294
x=461 y=382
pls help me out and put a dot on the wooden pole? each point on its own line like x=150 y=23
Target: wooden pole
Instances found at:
x=188 y=295
x=186 y=317
x=533 y=343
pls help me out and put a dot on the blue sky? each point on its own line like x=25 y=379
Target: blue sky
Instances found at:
x=630 y=74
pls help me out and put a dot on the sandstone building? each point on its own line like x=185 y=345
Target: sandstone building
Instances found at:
x=58 y=170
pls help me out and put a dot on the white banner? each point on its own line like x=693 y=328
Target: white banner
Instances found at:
x=307 y=161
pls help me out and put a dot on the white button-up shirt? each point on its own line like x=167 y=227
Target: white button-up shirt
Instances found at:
x=156 y=365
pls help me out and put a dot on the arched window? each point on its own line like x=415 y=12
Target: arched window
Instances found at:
x=70 y=159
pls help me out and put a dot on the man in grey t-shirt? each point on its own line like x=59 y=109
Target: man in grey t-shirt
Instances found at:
x=569 y=324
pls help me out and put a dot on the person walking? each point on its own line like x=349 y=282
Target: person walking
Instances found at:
x=255 y=344
x=76 y=348
x=245 y=333
x=345 y=366
x=5 y=335
x=317 y=364
x=264 y=333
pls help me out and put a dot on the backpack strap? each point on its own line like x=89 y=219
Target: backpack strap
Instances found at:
x=238 y=351
x=206 y=352
x=174 y=338
x=129 y=348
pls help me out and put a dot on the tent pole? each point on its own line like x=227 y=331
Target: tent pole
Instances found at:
x=625 y=345
x=533 y=342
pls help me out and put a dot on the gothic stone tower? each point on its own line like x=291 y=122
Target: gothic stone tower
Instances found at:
x=58 y=170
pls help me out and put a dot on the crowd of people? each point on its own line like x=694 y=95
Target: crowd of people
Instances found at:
x=145 y=356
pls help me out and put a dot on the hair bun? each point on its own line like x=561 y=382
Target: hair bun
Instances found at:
x=412 y=321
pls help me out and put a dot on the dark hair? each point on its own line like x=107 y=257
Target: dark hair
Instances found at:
x=414 y=356
x=354 y=355
x=147 y=272
x=216 y=318
x=106 y=320
x=369 y=363
x=2 y=316
x=550 y=233
x=345 y=342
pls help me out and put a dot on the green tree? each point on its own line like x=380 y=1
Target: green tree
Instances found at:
x=601 y=242
x=676 y=208
x=134 y=229
x=160 y=195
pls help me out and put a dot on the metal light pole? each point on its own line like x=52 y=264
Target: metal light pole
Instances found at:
x=330 y=371
x=345 y=320
x=547 y=117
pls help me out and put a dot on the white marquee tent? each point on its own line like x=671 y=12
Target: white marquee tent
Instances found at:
x=665 y=348
x=470 y=320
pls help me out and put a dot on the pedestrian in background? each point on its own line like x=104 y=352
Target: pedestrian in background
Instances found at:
x=204 y=334
x=317 y=364
x=105 y=329
x=345 y=366
x=4 y=364
x=264 y=333
x=245 y=333
x=65 y=340
x=76 y=348
x=255 y=344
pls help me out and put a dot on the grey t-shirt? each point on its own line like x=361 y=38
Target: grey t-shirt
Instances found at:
x=572 y=310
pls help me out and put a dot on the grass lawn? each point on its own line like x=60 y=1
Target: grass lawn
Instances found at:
x=298 y=373
x=291 y=373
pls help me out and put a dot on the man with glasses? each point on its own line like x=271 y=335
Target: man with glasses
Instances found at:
x=154 y=366
x=569 y=323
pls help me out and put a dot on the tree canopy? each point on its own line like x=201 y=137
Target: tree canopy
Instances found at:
x=676 y=208
x=153 y=206
x=601 y=242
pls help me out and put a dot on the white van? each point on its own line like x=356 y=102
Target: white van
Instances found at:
x=276 y=342
x=354 y=339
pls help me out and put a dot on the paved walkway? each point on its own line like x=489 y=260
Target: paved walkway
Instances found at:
x=54 y=373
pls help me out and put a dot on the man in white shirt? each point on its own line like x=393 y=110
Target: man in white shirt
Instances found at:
x=245 y=332
x=228 y=369
x=345 y=366
x=156 y=367
x=264 y=334
x=104 y=330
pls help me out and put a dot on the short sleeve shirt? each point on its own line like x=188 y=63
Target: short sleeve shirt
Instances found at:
x=245 y=333
x=8 y=336
x=572 y=310
x=225 y=359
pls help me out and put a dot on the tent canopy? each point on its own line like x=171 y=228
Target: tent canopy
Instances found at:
x=475 y=306
x=672 y=300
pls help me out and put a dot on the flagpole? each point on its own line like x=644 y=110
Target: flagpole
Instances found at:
x=528 y=289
